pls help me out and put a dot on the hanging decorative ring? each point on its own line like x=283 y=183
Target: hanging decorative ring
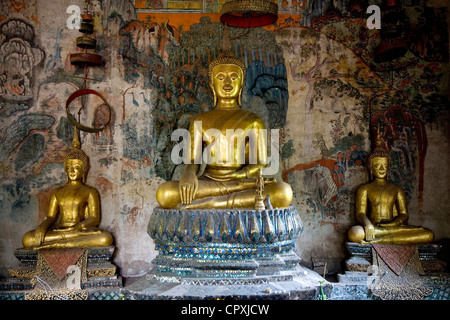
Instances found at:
x=74 y=122
x=249 y=13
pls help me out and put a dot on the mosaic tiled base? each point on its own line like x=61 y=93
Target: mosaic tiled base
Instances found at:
x=361 y=257
x=95 y=255
x=102 y=294
x=296 y=284
x=224 y=243
x=232 y=254
x=225 y=225
x=353 y=285
x=101 y=275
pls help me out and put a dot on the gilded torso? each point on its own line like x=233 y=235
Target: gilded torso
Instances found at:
x=232 y=151
x=73 y=204
x=381 y=199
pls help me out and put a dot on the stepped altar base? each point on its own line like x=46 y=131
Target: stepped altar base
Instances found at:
x=44 y=275
x=226 y=253
x=393 y=272
x=361 y=257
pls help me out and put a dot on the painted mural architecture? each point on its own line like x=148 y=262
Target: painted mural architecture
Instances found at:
x=328 y=81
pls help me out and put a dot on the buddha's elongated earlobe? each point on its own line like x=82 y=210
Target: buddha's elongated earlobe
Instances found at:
x=211 y=86
x=239 y=98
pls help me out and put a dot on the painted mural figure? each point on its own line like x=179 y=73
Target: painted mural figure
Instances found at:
x=381 y=208
x=18 y=58
x=224 y=184
x=74 y=211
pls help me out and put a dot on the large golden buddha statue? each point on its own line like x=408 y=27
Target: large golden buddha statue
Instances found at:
x=381 y=208
x=73 y=214
x=229 y=179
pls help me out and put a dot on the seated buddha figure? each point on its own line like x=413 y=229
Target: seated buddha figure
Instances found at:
x=381 y=208
x=224 y=183
x=74 y=211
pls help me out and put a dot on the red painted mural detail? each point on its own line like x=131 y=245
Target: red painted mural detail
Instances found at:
x=405 y=136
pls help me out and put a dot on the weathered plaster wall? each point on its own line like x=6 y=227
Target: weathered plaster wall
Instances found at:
x=312 y=76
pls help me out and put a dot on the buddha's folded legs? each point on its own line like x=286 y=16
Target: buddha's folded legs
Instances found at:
x=399 y=235
x=403 y=235
x=280 y=196
x=67 y=239
x=168 y=194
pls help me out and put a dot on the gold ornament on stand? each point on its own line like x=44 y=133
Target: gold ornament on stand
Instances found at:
x=259 y=199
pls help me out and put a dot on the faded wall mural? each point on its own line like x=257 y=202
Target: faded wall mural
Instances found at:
x=312 y=75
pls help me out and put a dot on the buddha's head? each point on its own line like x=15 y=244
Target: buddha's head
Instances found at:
x=75 y=169
x=76 y=162
x=379 y=160
x=226 y=75
x=379 y=167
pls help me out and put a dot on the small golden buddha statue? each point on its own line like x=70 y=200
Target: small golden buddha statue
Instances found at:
x=74 y=210
x=224 y=184
x=381 y=208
